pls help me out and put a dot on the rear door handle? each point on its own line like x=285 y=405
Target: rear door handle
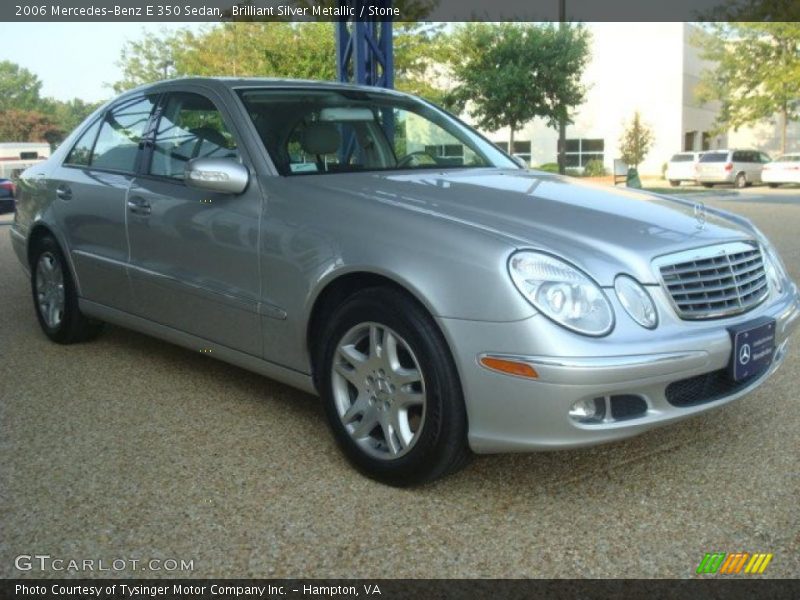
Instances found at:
x=64 y=192
x=138 y=206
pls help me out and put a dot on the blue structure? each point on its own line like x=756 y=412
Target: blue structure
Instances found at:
x=365 y=55
x=364 y=51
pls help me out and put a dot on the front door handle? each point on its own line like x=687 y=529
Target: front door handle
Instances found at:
x=64 y=192
x=138 y=206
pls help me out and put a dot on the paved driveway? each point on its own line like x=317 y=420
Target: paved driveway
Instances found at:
x=130 y=448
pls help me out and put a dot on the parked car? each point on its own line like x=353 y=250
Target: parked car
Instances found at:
x=364 y=245
x=682 y=167
x=7 y=193
x=739 y=167
x=785 y=169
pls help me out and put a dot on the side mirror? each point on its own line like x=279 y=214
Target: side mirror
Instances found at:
x=520 y=161
x=221 y=175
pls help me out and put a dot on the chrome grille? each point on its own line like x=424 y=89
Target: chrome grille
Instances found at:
x=714 y=281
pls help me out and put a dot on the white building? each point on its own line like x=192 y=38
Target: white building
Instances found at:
x=649 y=67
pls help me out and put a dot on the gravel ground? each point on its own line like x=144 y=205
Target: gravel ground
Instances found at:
x=131 y=448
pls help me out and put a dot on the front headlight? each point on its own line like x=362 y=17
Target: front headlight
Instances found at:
x=636 y=301
x=561 y=292
x=773 y=268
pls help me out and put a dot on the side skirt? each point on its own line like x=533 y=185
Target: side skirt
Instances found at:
x=290 y=377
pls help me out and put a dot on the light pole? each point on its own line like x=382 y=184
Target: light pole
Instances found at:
x=562 y=123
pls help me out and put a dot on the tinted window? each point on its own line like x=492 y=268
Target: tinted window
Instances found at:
x=118 y=141
x=682 y=158
x=764 y=157
x=789 y=158
x=190 y=127
x=81 y=153
x=710 y=157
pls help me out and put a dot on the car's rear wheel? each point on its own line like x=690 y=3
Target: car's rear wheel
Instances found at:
x=674 y=182
x=773 y=185
x=55 y=298
x=740 y=181
x=391 y=391
x=708 y=185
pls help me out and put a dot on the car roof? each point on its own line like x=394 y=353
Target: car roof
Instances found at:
x=258 y=82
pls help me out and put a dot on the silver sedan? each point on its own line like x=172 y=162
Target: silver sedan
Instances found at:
x=369 y=247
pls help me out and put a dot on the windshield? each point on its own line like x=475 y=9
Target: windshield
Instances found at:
x=683 y=158
x=789 y=158
x=339 y=131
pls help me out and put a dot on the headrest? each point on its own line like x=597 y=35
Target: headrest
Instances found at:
x=321 y=138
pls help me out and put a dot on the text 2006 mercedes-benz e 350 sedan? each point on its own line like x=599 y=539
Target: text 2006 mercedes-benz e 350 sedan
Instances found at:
x=368 y=246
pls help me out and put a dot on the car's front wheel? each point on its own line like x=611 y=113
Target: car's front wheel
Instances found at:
x=55 y=297
x=773 y=185
x=674 y=182
x=391 y=391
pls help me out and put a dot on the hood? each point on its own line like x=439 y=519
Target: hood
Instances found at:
x=602 y=229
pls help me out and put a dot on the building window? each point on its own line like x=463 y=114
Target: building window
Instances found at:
x=446 y=151
x=688 y=141
x=521 y=149
x=706 y=141
x=578 y=152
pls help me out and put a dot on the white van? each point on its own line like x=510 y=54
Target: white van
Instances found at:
x=682 y=167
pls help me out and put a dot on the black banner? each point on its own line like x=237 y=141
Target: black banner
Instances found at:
x=397 y=589
x=398 y=10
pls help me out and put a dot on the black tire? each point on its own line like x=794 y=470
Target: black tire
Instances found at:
x=674 y=182
x=708 y=185
x=773 y=185
x=74 y=326
x=441 y=446
x=740 y=181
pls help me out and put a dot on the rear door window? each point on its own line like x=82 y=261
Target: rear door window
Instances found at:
x=682 y=158
x=123 y=128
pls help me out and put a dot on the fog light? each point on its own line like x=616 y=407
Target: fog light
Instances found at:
x=588 y=409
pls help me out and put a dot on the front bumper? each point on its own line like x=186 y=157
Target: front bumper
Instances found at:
x=508 y=413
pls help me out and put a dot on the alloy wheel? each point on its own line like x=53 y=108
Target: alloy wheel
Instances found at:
x=379 y=390
x=50 y=289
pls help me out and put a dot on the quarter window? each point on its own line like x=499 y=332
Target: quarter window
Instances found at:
x=190 y=127
x=81 y=153
x=118 y=142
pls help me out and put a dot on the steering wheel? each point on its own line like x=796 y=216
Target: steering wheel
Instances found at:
x=407 y=160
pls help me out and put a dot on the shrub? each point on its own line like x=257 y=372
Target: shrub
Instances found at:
x=594 y=168
x=549 y=167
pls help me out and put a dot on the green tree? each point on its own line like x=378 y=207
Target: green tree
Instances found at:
x=756 y=74
x=19 y=88
x=272 y=49
x=508 y=73
x=636 y=141
x=28 y=126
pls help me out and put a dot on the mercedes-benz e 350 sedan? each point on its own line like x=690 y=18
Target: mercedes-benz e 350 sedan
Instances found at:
x=367 y=246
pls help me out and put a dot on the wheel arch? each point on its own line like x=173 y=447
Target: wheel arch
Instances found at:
x=338 y=289
x=40 y=230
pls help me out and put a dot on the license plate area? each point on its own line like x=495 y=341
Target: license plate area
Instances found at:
x=753 y=348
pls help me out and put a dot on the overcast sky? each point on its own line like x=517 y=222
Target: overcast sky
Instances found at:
x=72 y=59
